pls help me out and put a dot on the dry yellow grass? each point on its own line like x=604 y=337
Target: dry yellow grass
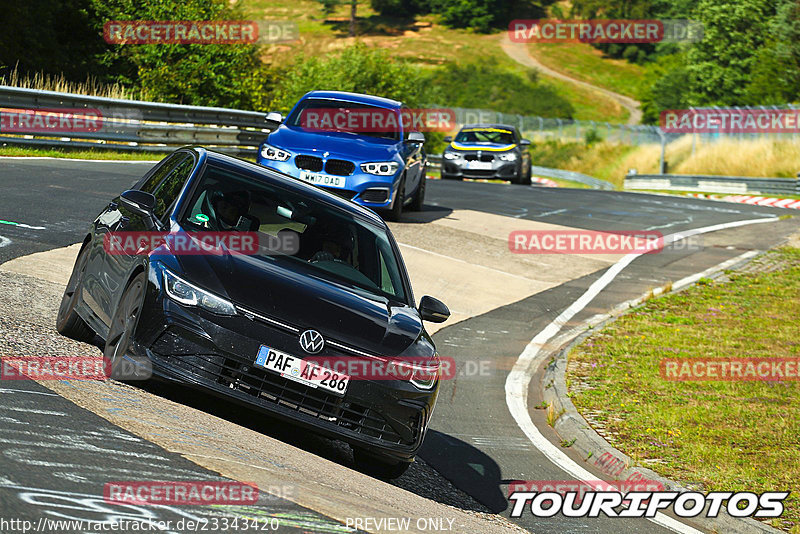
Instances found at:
x=46 y=82
x=759 y=157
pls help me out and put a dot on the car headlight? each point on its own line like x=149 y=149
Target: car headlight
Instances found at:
x=380 y=168
x=508 y=156
x=425 y=377
x=451 y=155
x=273 y=153
x=422 y=374
x=188 y=294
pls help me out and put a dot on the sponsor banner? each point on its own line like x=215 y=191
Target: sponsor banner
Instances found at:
x=200 y=243
x=730 y=369
x=139 y=32
x=604 y=31
x=363 y=120
x=180 y=493
x=74 y=368
x=724 y=120
x=647 y=503
x=584 y=242
x=50 y=120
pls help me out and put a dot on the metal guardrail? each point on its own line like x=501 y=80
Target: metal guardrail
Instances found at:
x=714 y=184
x=133 y=125
x=572 y=176
x=435 y=162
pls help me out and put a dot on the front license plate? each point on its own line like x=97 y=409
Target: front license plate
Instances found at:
x=303 y=371
x=323 y=179
x=479 y=165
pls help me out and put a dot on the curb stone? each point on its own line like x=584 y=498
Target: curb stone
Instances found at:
x=572 y=427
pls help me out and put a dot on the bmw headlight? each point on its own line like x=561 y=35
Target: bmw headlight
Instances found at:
x=380 y=168
x=275 y=154
x=188 y=294
x=451 y=155
x=508 y=156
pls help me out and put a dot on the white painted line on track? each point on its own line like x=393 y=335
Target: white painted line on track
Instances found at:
x=4 y=241
x=86 y=160
x=28 y=392
x=521 y=374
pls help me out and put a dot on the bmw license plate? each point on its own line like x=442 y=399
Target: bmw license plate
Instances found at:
x=303 y=371
x=479 y=165
x=323 y=179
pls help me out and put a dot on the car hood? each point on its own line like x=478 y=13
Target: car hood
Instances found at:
x=345 y=145
x=304 y=300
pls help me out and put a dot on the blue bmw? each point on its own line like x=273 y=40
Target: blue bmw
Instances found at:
x=381 y=167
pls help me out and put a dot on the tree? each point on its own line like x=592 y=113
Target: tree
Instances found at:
x=230 y=75
x=721 y=65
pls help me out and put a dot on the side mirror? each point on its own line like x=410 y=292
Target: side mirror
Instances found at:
x=525 y=142
x=140 y=203
x=274 y=116
x=433 y=310
x=415 y=137
x=448 y=139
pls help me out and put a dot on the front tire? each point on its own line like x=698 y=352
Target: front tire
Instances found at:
x=399 y=199
x=68 y=322
x=419 y=197
x=523 y=176
x=123 y=324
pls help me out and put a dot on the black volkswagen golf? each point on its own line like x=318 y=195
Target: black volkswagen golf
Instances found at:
x=324 y=283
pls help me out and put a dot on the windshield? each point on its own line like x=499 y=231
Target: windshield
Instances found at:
x=498 y=136
x=350 y=117
x=312 y=236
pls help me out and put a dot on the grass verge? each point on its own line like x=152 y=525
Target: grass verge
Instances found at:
x=726 y=436
x=584 y=62
x=78 y=154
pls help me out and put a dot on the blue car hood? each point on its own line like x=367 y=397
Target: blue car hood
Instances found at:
x=360 y=147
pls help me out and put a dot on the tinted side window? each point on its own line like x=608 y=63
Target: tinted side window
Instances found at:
x=165 y=167
x=167 y=191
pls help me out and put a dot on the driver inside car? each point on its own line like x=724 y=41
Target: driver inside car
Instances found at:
x=334 y=247
x=223 y=210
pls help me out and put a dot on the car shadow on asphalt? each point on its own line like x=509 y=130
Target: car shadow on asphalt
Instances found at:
x=420 y=478
x=428 y=214
x=466 y=467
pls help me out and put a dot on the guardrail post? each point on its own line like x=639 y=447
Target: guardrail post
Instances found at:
x=663 y=163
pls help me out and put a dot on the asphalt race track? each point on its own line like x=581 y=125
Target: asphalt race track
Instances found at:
x=60 y=442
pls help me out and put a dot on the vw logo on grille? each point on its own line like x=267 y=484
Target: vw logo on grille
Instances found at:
x=311 y=341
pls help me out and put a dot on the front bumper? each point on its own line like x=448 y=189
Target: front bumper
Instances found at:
x=369 y=190
x=216 y=354
x=495 y=167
